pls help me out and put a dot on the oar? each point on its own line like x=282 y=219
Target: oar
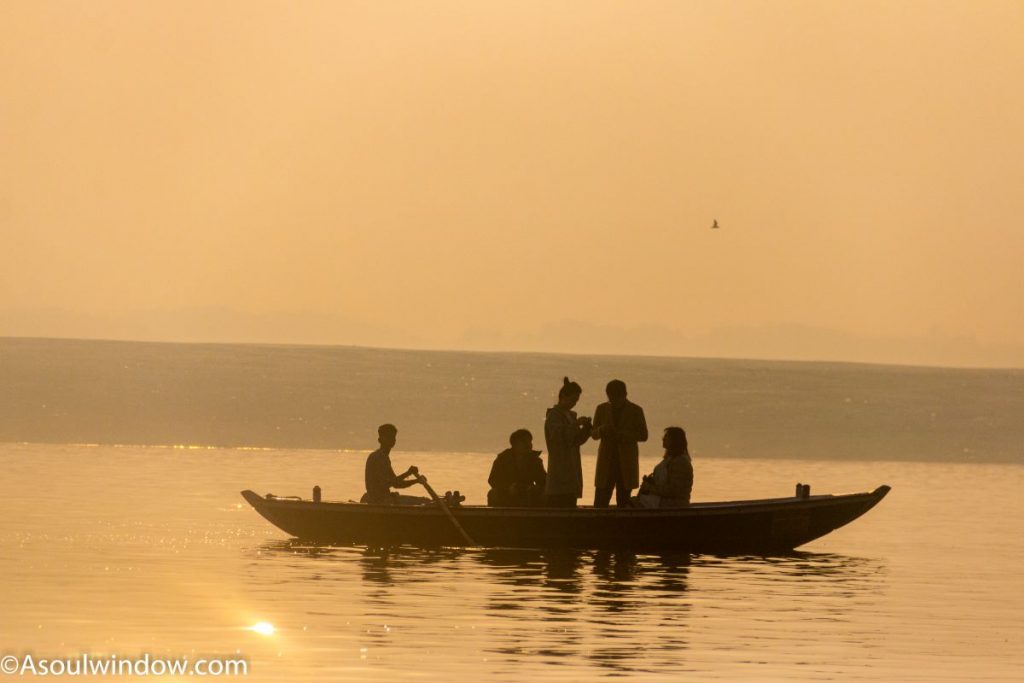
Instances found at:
x=440 y=503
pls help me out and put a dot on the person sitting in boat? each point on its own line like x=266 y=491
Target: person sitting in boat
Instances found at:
x=672 y=480
x=517 y=475
x=381 y=477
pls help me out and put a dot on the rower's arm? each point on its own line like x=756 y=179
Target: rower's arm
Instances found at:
x=407 y=478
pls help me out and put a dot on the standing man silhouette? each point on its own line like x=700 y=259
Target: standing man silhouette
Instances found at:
x=620 y=425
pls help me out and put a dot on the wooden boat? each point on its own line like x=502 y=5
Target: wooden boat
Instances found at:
x=748 y=526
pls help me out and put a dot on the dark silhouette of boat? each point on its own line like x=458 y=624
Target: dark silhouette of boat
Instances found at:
x=748 y=526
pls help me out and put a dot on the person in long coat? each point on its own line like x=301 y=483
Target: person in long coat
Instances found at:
x=620 y=425
x=564 y=433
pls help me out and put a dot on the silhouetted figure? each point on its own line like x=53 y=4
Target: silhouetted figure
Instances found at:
x=620 y=425
x=672 y=480
x=381 y=477
x=714 y=226
x=517 y=475
x=564 y=433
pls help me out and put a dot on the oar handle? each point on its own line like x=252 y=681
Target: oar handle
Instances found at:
x=420 y=479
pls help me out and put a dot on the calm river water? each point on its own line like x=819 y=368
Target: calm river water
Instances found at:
x=129 y=550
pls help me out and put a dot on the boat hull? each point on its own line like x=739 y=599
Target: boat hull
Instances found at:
x=758 y=526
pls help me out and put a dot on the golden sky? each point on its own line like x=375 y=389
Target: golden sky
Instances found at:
x=516 y=174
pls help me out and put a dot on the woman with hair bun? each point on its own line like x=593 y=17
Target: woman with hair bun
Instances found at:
x=564 y=433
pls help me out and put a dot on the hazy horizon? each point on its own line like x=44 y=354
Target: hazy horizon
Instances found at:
x=512 y=176
x=239 y=236
x=794 y=343
x=245 y=395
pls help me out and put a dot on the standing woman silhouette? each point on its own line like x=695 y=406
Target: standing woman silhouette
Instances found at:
x=564 y=433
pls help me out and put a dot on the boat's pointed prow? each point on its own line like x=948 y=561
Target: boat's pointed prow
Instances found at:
x=878 y=494
x=875 y=497
x=251 y=497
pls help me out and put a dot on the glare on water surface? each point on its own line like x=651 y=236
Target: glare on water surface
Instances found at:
x=159 y=557
x=264 y=628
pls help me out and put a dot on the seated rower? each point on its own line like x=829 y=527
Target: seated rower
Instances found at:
x=381 y=477
x=672 y=480
x=517 y=475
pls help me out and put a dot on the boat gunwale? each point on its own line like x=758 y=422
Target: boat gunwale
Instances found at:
x=720 y=507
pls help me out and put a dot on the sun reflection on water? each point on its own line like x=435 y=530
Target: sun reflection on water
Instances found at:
x=264 y=628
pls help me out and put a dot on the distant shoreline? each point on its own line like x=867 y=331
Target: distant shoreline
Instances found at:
x=507 y=352
x=62 y=391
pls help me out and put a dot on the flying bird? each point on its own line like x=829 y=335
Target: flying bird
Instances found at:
x=714 y=226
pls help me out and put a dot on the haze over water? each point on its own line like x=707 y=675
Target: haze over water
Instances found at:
x=70 y=391
x=515 y=177
x=519 y=176
x=130 y=549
